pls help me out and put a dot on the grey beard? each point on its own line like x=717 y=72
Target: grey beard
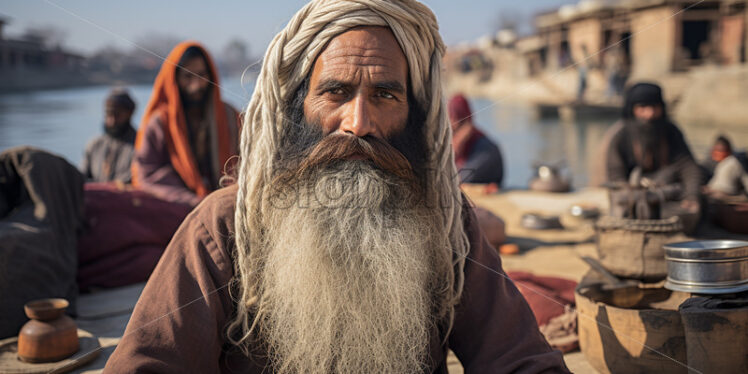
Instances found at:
x=347 y=284
x=647 y=133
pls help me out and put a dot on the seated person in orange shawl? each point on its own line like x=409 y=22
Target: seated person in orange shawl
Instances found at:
x=187 y=134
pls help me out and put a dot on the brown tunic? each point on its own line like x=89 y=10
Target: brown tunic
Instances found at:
x=179 y=323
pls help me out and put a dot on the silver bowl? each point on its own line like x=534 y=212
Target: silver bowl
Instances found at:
x=707 y=266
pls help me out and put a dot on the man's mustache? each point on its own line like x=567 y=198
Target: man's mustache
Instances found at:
x=341 y=147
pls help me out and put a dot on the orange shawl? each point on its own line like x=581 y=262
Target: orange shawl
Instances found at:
x=166 y=102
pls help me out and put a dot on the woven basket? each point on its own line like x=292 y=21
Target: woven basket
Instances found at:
x=632 y=248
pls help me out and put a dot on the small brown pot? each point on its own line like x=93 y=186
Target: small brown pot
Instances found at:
x=50 y=335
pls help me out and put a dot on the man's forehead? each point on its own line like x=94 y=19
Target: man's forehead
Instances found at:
x=373 y=47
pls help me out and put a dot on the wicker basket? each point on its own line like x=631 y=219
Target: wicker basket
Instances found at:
x=632 y=248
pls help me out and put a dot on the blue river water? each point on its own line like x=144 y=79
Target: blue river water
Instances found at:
x=62 y=121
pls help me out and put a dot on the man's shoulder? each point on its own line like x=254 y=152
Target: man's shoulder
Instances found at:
x=615 y=131
x=485 y=143
x=215 y=214
x=216 y=211
x=673 y=130
x=469 y=219
x=729 y=162
x=96 y=141
x=212 y=224
x=156 y=120
x=97 y=145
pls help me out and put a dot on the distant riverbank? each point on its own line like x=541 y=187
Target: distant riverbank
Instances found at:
x=705 y=102
x=63 y=120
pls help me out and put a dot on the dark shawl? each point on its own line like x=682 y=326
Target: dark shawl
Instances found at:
x=43 y=198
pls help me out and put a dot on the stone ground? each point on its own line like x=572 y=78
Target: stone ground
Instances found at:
x=549 y=252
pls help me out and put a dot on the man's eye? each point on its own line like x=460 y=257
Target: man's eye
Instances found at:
x=336 y=91
x=386 y=95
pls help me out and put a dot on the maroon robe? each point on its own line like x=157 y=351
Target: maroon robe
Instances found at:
x=179 y=323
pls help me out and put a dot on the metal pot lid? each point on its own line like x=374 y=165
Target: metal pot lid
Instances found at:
x=734 y=250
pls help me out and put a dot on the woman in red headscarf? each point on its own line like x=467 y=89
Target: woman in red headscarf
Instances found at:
x=188 y=133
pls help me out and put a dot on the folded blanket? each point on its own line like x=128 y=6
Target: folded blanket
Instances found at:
x=126 y=233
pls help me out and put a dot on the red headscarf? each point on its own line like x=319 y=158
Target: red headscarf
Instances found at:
x=464 y=134
x=459 y=110
x=166 y=102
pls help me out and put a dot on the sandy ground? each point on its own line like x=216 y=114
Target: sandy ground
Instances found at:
x=547 y=252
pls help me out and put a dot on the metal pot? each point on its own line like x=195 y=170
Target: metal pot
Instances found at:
x=707 y=266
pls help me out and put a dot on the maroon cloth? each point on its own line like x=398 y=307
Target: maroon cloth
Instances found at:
x=127 y=231
x=461 y=115
x=459 y=109
x=179 y=323
x=547 y=296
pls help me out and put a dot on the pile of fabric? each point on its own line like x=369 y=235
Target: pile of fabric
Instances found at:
x=60 y=235
x=40 y=216
x=552 y=301
x=126 y=232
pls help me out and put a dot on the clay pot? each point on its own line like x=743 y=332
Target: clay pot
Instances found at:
x=50 y=335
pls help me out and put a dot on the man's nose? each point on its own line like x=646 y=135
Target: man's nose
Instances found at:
x=357 y=118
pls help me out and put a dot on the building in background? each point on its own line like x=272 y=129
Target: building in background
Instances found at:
x=31 y=61
x=654 y=37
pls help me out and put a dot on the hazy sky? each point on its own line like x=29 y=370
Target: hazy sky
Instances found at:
x=216 y=22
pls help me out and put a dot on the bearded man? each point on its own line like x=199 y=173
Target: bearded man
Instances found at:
x=345 y=245
x=647 y=141
x=108 y=157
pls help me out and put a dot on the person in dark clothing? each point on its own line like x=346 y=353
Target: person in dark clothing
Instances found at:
x=477 y=158
x=107 y=158
x=651 y=147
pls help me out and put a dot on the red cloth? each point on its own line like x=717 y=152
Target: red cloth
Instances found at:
x=547 y=296
x=127 y=233
x=465 y=134
x=459 y=109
